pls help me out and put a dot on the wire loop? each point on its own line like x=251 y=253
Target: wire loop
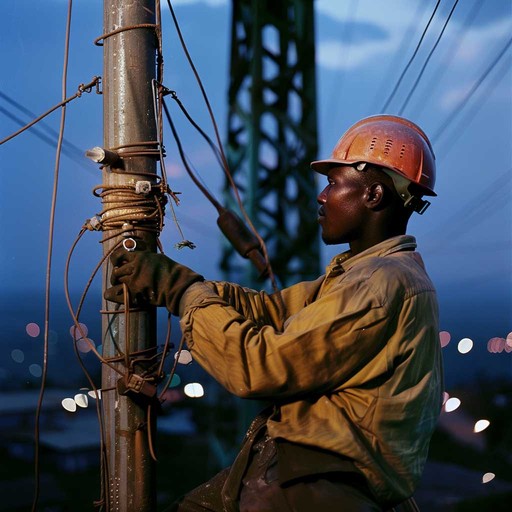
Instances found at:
x=99 y=40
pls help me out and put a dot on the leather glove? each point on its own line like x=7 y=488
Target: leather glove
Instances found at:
x=151 y=278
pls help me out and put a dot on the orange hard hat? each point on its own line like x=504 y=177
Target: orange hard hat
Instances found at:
x=393 y=143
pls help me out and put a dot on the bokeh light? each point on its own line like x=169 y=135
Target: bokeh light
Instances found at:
x=95 y=394
x=183 y=356
x=78 y=331
x=488 y=477
x=81 y=400
x=451 y=404
x=35 y=370
x=444 y=338
x=496 y=345
x=18 y=355
x=69 y=404
x=85 y=345
x=481 y=425
x=33 y=330
x=465 y=345
x=194 y=390
x=175 y=381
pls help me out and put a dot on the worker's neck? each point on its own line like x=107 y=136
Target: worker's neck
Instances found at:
x=372 y=238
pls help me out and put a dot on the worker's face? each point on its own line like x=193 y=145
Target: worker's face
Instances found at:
x=342 y=211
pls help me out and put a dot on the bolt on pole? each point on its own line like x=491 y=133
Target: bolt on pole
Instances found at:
x=129 y=51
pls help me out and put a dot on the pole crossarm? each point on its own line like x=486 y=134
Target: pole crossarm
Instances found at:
x=272 y=131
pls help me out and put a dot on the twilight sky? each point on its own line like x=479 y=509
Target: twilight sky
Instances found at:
x=362 y=47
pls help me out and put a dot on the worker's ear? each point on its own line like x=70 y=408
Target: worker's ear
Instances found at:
x=375 y=196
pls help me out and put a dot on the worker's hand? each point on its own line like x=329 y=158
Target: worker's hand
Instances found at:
x=151 y=278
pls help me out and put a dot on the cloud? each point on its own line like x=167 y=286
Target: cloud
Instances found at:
x=479 y=40
x=336 y=55
x=373 y=32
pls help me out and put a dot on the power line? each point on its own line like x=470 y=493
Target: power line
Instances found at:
x=496 y=193
x=427 y=60
x=81 y=89
x=467 y=119
x=68 y=149
x=470 y=93
x=397 y=85
x=404 y=45
x=51 y=231
x=446 y=65
x=32 y=115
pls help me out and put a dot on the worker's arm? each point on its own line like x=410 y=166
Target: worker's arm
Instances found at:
x=319 y=347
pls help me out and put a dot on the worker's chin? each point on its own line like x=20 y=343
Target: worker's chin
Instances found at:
x=328 y=240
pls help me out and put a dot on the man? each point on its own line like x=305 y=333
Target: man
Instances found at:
x=352 y=365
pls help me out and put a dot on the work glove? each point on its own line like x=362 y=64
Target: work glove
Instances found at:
x=151 y=278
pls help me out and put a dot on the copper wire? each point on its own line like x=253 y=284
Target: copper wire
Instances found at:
x=49 y=266
x=99 y=40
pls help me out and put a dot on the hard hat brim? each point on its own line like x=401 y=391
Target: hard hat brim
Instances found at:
x=323 y=167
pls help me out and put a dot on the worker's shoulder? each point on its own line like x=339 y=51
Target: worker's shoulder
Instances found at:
x=401 y=273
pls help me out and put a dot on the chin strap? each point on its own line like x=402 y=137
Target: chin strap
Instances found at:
x=417 y=204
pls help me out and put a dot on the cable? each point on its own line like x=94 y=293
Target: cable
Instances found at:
x=81 y=89
x=467 y=119
x=186 y=164
x=496 y=193
x=49 y=264
x=11 y=101
x=399 y=81
x=403 y=47
x=420 y=74
x=472 y=91
x=447 y=62
x=69 y=150
x=225 y=163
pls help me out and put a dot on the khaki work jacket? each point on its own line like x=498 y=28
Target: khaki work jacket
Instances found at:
x=353 y=365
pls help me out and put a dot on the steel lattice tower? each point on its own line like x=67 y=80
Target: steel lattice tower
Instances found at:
x=272 y=133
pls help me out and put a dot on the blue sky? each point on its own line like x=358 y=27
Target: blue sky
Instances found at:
x=362 y=47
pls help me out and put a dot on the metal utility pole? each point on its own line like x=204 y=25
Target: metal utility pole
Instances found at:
x=272 y=132
x=130 y=48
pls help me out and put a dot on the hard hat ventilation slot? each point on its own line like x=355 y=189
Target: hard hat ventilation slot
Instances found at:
x=387 y=146
x=402 y=151
x=372 y=143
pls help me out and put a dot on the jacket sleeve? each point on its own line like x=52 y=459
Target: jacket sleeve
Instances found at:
x=316 y=348
x=263 y=308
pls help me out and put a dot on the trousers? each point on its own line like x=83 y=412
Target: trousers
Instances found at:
x=261 y=491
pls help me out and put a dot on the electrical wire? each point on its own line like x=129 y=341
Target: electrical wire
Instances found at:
x=11 y=101
x=224 y=159
x=427 y=60
x=78 y=327
x=402 y=49
x=447 y=61
x=497 y=192
x=81 y=89
x=448 y=144
x=49 y=265
x=68 y=148
x=186 y=164
x=470 y=93
x=399 y=81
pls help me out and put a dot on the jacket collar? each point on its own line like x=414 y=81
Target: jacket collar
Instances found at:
x=345 y=261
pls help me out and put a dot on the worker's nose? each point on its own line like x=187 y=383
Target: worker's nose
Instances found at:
x=322 y=196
